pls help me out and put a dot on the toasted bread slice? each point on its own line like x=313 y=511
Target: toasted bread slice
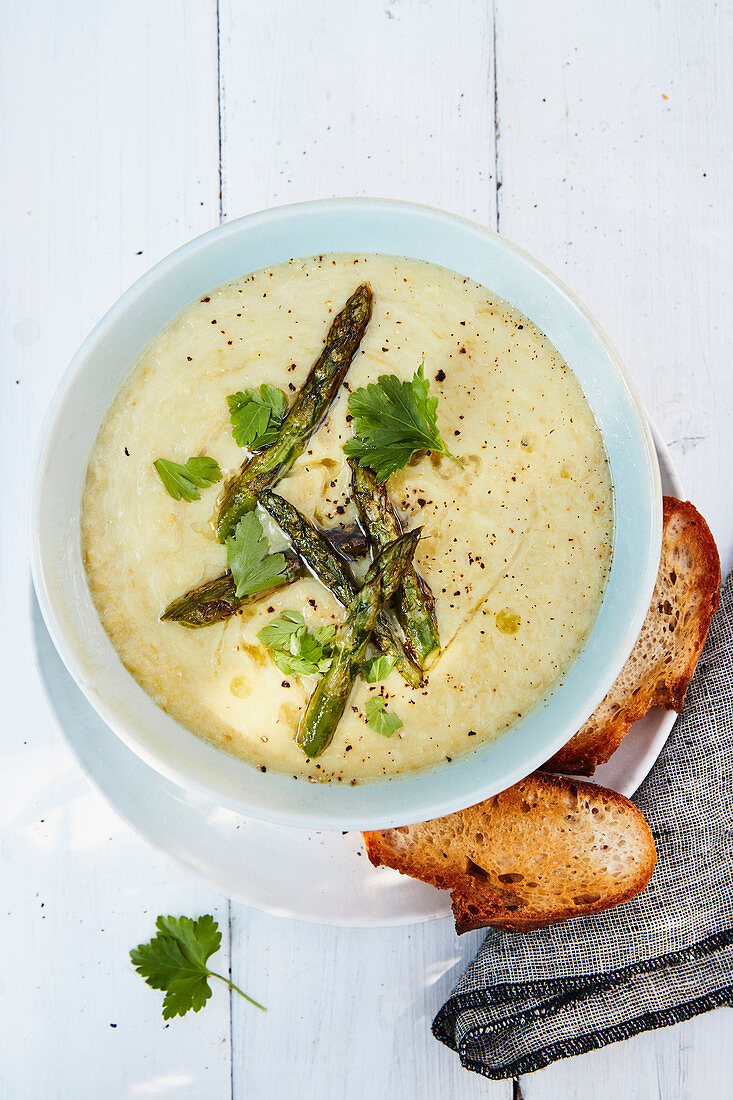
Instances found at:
x=544 y=850
x=663 y=660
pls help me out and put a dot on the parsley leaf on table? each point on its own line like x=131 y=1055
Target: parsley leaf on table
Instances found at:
x=378 y=668
x=253 y=567
x=256 y=417
x=294 y=649
x=393 y=420
x=184 y=482
x=175 y=960
x=381 y=720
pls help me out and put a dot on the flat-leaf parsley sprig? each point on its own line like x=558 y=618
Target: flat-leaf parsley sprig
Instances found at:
x=379 y=718
x=295 y=650
x=183 y=482
x=253 y=567
x=392 y=420
x=257 y=416
x=175 y=960
x=378 y=668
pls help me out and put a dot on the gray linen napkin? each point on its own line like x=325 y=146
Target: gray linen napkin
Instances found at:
x=530 y=999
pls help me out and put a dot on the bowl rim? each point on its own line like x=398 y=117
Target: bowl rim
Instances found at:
x=361 y=817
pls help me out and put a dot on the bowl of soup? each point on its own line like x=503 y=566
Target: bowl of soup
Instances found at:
x=539 y=514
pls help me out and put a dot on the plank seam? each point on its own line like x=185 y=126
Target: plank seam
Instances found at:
x=219 y=109
x=497 y=167
x=231 y=996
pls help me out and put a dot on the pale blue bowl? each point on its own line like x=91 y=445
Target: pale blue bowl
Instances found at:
x=90 y=383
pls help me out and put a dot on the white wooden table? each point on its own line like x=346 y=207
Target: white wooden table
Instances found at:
x=598 y=136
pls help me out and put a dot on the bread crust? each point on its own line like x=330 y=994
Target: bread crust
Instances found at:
x=446 y=852
x=686 y=595
x=545 y=850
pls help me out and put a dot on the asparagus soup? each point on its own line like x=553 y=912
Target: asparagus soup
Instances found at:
x=256 y=500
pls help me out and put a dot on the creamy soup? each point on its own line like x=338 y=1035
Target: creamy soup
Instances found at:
x=515 y=544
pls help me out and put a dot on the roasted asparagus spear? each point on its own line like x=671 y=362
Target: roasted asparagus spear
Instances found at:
x=333 y=572
x=414 y=603
x=331 y=694
x=310 y=406
x=217 y=599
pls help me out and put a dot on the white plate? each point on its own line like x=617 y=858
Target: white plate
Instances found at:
x=312 y=876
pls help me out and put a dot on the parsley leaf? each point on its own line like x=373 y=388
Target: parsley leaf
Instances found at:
x=381 y=720
x=175 y=960
x=184 y=482
x=294 y=649
x=324 y=635
x=378 y=668
x=253 y=567
x=256 y=417
x=393 y=420
x=277 y=634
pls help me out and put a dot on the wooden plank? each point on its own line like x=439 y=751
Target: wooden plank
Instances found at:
x=614 y=153
x=395 y=100
x=615 y=157
x=351 y=1010
x=110 y=156
x=390 y=99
